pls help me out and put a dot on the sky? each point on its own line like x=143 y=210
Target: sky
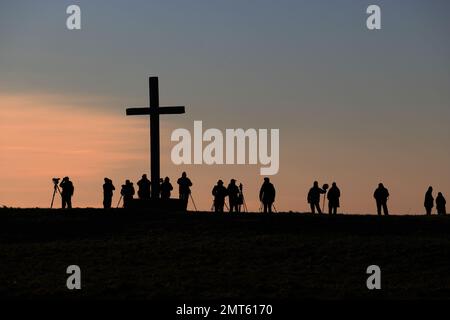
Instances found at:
x=353 y=106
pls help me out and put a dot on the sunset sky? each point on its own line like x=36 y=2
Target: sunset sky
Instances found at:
x=353 y=106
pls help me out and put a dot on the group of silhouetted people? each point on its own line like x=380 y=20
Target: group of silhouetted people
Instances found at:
x=236 y=197
x=232 y=191
x=127 y=191
x=429 y=202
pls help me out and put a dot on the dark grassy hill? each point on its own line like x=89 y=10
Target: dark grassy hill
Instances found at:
x=205 y=256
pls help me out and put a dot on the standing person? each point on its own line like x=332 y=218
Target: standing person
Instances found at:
x=67 y=192
x=184 y=187
x=219 y=192
x=166 y=188
x=108 y=189
x=314 y=197
x=233 y=195
x=267 y=195
x=127 y=193
x=440 y=204
x=144 y=187
x=381 y=196
x=429 y=201
x=333 y=198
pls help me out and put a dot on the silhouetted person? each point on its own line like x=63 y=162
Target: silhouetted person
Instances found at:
x=267 y=195
x=381 y=196
x=314 y=197
x=184 y=187
x=233 y=195
x=127 y=193
x=108 y=189
x=144 y=187
x=219 y=192
x=166 y=188
x=429 y=201
x=440 y=204
x=240 y=199
x=67 y=192
x=333 y=198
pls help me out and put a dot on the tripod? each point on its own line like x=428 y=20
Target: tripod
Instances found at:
x=120 y=199
x=55 y=188
x=243 y=198
x=195 y=207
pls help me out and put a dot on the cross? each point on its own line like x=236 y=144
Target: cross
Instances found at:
x=154 y=111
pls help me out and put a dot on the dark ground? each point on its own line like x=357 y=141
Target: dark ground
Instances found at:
x=140 y=255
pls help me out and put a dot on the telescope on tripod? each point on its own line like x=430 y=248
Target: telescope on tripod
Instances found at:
x=55 y=188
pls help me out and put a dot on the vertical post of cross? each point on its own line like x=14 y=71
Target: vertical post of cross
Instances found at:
x=154 y=136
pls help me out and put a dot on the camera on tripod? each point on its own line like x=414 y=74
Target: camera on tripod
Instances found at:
x=55 y=189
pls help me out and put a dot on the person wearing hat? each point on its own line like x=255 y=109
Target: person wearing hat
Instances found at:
x=219 y=192
x=67 y=192
x=108 y=189
x=267 y=195
x=233 y=195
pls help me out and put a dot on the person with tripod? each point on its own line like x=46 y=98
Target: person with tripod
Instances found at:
x=184 y=187
x=67 y=192
x=108 y=189
x=127 y=193
x=219 y=192
x=233 y=195
x=267 y=195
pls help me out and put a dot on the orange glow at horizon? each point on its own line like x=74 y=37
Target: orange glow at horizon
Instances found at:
x=43 y=136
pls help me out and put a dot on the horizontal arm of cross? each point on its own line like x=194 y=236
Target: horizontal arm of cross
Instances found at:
x=160 y=110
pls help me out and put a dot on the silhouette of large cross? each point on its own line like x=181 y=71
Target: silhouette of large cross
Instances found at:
x=154 y=111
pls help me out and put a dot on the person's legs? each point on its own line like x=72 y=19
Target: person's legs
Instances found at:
x=270 y=206
x=385 y=209
x=265 y=207
x=330 y=208
x=69 y=202
x=379 y=208
x=428 y=211
x=318 y=208
x=334 y=209
x=313 y=209
x=63 y=202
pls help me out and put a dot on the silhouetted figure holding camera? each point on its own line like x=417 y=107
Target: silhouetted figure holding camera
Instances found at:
x=219 y=192
x=381 y=196
x=267 y=195
x=440 y=204
x=429 y=201
x=233 y=196
x=144 y=187
x=333 y=198
x=314 y=197
x=166 y=188
x=108 y=189
x=67 y=192
x=127 y=193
